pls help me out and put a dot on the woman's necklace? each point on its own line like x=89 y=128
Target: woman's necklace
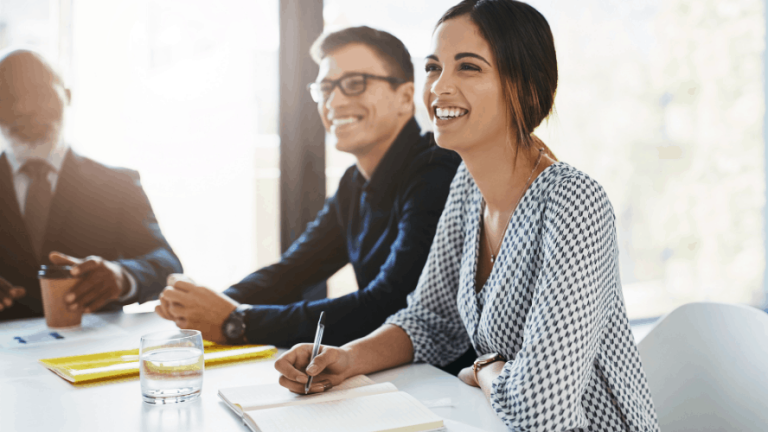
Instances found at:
x=482 y=210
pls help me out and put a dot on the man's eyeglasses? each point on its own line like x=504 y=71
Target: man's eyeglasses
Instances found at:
x=351 y=85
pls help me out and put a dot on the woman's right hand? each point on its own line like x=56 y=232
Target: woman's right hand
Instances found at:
x=330 y=368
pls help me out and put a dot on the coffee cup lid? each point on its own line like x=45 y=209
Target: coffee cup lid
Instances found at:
x=54 y=272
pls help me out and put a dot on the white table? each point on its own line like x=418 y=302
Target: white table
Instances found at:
x=34 y=399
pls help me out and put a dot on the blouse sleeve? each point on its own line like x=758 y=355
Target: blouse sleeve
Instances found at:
x=542 y=387
x=432 y=319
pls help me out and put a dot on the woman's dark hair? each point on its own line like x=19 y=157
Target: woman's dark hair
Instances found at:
x=522 y=42
x=389 y=48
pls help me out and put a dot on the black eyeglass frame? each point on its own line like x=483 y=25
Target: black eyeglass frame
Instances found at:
x=394 y=81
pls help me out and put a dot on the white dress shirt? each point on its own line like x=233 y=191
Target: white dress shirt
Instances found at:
x=18 y=155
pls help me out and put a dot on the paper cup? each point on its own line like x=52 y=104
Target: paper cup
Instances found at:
x=55 y=283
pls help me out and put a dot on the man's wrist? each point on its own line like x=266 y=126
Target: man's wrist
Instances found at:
x=125 y=286
x=128 y=288
x=234 y=326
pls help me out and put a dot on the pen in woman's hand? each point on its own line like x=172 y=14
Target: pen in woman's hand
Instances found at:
x=316 y=347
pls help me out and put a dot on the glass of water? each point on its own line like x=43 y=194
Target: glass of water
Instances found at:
x=171 y=365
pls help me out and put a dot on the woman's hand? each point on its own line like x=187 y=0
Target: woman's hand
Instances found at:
x=486 y=375
x=329 y=368
x=467 y=375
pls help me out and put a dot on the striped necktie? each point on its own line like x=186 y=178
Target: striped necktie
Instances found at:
x=38 y=201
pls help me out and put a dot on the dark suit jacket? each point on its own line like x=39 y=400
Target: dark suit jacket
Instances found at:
x=96 y=210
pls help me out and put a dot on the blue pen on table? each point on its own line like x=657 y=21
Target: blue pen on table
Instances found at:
x=316 y=347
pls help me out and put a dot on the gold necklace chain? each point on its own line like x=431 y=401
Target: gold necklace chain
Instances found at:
x=482 y=210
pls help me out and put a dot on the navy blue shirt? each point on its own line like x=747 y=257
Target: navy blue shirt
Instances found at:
x=383 y=226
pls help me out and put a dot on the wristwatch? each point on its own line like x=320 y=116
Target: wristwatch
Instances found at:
x=234 y=326
x=484 y=360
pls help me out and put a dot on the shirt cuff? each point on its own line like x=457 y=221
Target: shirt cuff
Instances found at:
x=132 y=288
x=281 y=325
x=234 y=294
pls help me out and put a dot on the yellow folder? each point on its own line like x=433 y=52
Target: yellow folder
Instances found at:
x=123 y=364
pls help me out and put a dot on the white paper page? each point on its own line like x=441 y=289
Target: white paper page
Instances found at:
x=31 y=334
x=376 y=413
x=271 y=395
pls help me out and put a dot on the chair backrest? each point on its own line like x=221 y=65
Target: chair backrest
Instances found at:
x=707 y=368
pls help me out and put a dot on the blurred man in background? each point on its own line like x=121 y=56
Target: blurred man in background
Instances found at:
x=57 y=207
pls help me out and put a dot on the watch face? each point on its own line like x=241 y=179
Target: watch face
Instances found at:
x=230 y=328
x=233 y=329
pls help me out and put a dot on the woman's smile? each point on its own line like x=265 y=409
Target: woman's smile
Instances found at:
x=444 y=118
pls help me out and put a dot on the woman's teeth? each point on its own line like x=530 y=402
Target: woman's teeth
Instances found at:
x=449 y=113
x=343 y=121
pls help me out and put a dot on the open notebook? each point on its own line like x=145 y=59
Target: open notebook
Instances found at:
x=357 y=405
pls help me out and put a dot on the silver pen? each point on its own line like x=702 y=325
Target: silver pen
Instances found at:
x=316 y=347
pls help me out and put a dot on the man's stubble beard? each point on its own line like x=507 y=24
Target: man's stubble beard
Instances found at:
x=40 y=147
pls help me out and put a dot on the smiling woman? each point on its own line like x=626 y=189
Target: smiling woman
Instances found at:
x=675 y=137
x=524 y=97
x=524 y=263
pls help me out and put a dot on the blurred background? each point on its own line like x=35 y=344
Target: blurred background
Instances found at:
x=662 y=102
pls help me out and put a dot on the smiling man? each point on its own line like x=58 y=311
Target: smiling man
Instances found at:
x=381 y=219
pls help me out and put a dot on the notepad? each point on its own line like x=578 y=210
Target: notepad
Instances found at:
x=357 y=405
x=255 y=397
x=125 y=363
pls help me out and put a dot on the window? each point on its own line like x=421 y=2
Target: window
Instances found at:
x=661 y=102
x=185 y=91
x=42 y=25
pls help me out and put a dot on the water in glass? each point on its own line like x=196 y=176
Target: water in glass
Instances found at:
x=171 y=366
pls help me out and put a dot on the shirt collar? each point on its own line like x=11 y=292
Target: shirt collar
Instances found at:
x=396 y=157
x=17 y=156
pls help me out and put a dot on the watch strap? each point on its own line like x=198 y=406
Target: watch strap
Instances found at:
x=479 y=364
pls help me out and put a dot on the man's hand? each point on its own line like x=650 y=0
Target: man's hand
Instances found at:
x=330 y=368
x=101 y=281
x=196 y=307
x=164 y=308
x=8 y=293
x=467 y=375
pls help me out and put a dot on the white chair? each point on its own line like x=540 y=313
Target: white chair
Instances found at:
x=707 y=368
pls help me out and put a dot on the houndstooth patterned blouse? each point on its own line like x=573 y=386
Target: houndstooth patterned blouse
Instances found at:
x=552 y=306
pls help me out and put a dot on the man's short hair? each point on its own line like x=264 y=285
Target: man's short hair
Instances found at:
x=390 y=49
